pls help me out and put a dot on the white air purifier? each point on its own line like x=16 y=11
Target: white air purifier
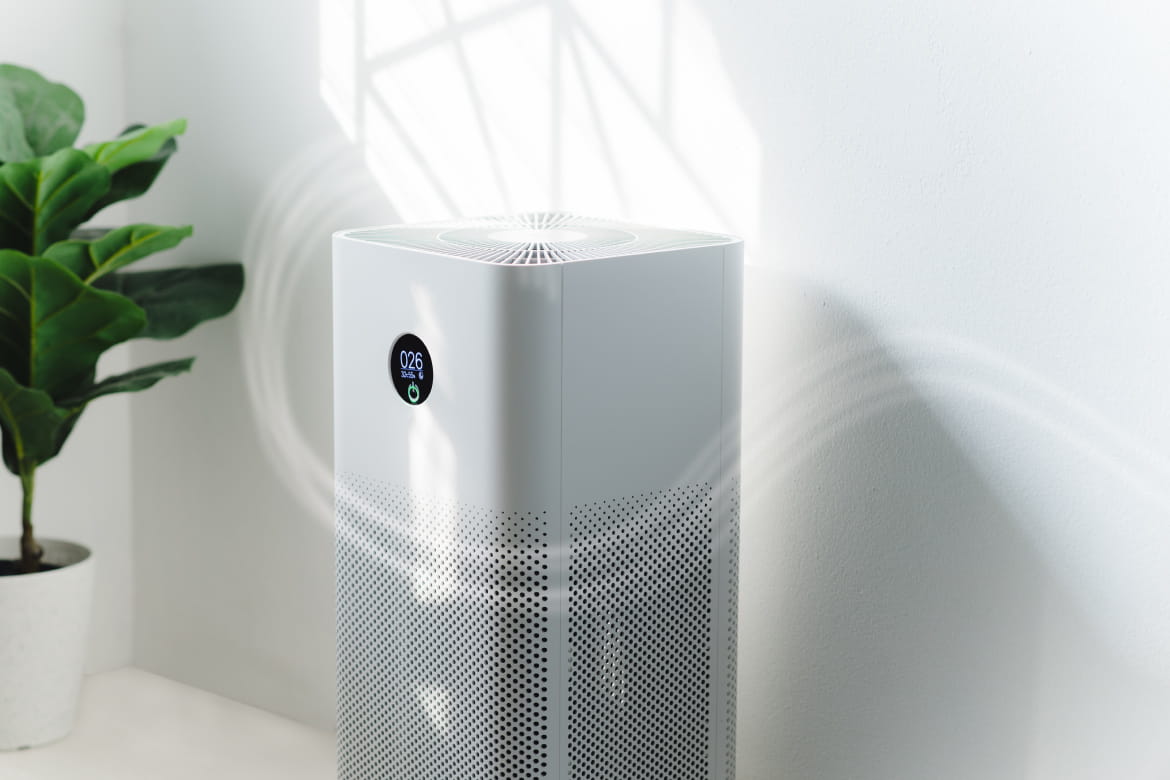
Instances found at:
x=537 y=474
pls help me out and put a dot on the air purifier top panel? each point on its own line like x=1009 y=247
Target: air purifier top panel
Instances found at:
x=535 y=239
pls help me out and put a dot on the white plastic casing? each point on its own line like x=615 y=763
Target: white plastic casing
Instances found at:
x=537 y=565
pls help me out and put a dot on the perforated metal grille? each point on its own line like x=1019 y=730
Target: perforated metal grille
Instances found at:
x=732 y=625
x=641 y=664
x=443 y=646
x=536 y=238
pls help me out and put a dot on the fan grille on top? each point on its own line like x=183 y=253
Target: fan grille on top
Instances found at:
x=536 y=238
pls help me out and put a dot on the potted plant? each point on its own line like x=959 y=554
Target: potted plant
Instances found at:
x=65 y=298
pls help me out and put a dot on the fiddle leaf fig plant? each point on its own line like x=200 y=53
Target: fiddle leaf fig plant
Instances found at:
x=65 y=296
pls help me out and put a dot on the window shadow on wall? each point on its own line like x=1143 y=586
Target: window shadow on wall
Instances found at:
x=474 y=107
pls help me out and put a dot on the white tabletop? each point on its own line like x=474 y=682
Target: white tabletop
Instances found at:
x=136 y=725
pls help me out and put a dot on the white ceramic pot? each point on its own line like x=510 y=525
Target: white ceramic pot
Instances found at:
x=44 y=624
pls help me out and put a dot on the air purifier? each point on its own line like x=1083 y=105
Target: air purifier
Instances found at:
x=537 y=465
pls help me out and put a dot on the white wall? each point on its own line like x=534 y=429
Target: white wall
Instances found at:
x=957 y=525
x=84 y=494
x=959 y=557
x=236 y=572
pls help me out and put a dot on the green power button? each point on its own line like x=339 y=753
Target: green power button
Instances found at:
x=412 y=393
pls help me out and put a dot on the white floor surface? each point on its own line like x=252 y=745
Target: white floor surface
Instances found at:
x=138 y=726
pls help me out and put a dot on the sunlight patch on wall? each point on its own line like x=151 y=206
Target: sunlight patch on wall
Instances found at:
x=472 y=107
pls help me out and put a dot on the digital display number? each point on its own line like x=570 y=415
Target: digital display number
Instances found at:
x=410 y=369
x=411 y=361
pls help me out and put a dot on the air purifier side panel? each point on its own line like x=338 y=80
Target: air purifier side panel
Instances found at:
x=448 y=514
x=643 y=337
x=643 y=387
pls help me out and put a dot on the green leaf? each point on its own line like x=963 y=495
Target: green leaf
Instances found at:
x=135 y=147
x=135 y=179
x=32 y=423
x=131 y=381
x=177 y=299
x=44 y=199
x=13 y=146
x=115 y=249
x=53 y=327
x=51 y=114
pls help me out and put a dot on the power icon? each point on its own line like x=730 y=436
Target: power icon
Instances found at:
x=412 y=393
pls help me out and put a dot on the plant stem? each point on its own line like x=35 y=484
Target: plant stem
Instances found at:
x=30 y=551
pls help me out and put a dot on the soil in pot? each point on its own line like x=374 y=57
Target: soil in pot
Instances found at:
x=12 y=568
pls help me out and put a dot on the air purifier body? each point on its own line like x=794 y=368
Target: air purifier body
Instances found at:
x=537 y=478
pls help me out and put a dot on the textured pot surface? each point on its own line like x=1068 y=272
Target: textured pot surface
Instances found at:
x=44 y=623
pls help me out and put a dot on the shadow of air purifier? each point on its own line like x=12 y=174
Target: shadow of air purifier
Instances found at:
x=537 y=499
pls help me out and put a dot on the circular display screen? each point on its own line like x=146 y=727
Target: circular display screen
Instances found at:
x=410 y=369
